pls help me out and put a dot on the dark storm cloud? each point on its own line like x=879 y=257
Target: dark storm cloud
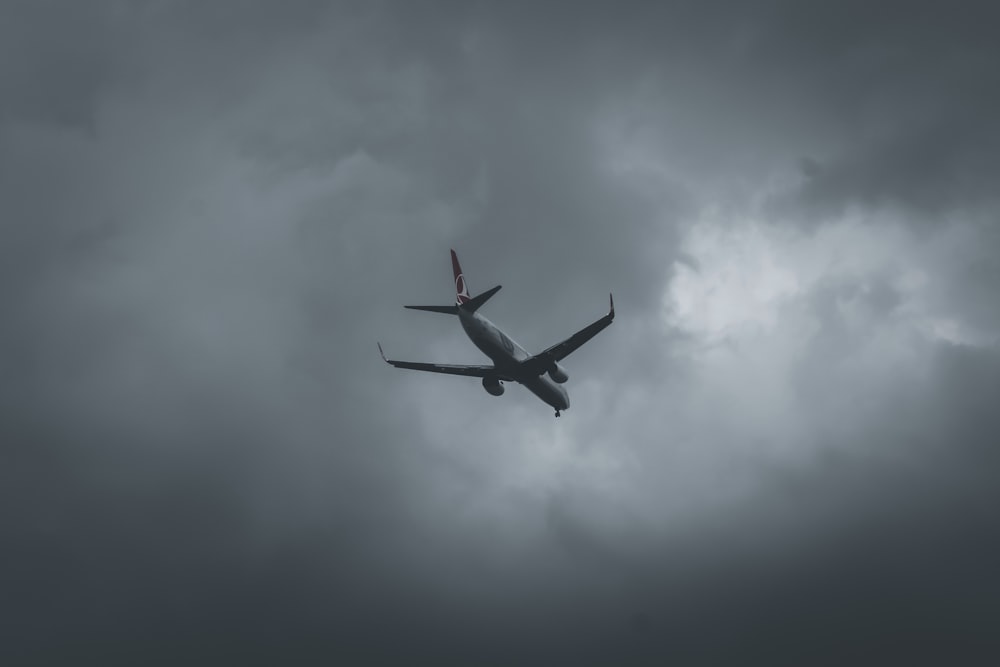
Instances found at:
x=911 y=86
x=927 y=170
x=211 y=211
x=56 y=59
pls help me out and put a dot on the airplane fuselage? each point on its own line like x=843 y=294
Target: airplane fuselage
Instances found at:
x=541 y=373
x=507 y=356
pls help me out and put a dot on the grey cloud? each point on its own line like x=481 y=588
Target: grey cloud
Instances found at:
x=910 y=83
x=210 y=214
x=57 y=59
x=928 y=171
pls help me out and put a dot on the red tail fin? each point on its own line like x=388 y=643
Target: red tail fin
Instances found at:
x=461 y=289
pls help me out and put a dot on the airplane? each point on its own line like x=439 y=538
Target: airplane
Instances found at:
x=541 y=373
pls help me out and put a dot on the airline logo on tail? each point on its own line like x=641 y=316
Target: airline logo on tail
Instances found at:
x=461 y=289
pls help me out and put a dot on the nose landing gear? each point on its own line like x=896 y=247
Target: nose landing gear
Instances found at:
x=557 y=413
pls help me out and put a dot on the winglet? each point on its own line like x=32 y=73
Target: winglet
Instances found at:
x=381 y=352
x=611 y=298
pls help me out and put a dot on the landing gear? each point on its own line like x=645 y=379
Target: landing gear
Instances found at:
x=557 y=413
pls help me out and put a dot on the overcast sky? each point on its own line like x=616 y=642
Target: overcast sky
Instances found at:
x=783 y=451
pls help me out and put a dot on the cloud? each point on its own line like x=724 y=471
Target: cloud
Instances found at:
x=780 y=452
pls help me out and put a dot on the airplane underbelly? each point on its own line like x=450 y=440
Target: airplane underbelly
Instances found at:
x=549 y=392
x=507 y=357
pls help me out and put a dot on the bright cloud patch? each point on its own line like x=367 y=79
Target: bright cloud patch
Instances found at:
x=737 y=281
x=743 y=278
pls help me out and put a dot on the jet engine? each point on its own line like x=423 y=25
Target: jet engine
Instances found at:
x=493 y=386
x=558 y=373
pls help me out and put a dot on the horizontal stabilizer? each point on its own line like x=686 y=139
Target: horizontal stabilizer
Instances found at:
x=447 y=310
x=475 y=302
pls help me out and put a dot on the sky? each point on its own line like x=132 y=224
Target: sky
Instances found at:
x=783 y=451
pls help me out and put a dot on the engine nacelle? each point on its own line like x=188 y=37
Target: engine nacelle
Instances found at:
x=558 y=374
x=493 y=386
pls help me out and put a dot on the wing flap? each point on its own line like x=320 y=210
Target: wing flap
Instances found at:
x=448 y=369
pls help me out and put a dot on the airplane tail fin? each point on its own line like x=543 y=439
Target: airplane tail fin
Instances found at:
x=462 y=298
x=461 y=289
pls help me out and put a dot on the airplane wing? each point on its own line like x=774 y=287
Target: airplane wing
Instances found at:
x=542 y=361
x=449 y=369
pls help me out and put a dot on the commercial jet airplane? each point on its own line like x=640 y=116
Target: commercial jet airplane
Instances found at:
x=541 y=373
